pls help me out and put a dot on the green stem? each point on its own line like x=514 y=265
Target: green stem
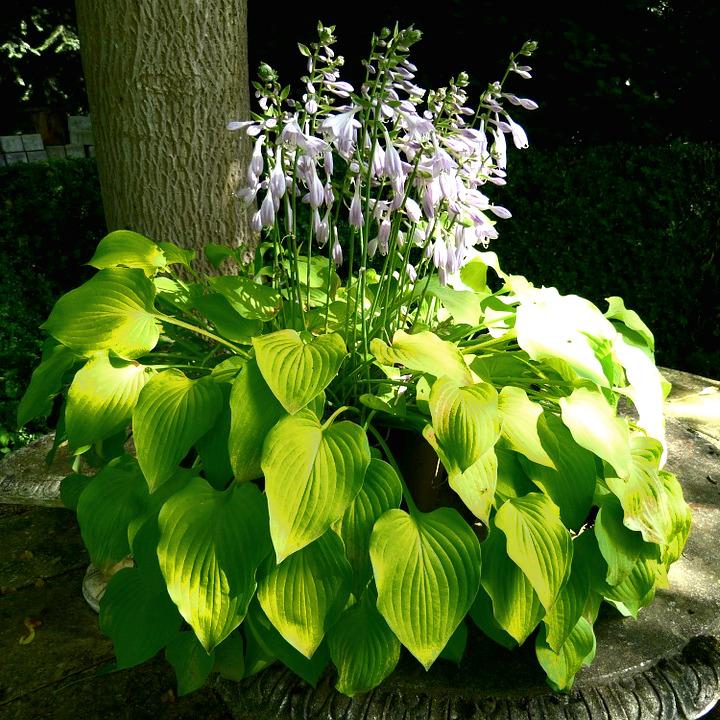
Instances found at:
x=391 y=459
x=200 y=331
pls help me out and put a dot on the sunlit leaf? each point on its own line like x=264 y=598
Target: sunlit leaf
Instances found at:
x=130 y=249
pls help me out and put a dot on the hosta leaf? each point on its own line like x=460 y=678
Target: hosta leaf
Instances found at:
x=423 y=352
x=617 y=311
x=312 y=474
x=644 y=499
x=250 y=299
x=567 y=610
x=381 y=491
x=191 y=662
x=211 y=544
x=253 y=412
x=138 y=615
x=537 y=542
x=114 y=497
x=462 y=305
x=175 y=255
x=572 y=486
x=482 y=615
x=645 y=387
x=297 y=371
x=561 y=667
x=363 y=648
x=230 y=657
x=455 y=649
x=512 y=481
x=172 y=413
x=101 y=398
x=564 y=327
x=213 y=446
x=304 y=595
x=620 y=546
x=515 y=605
x=465 y=420
x=229 y=323
x=638 y=588
x=128 y=248
x=595 y=427
x=111 y=311
x=71 y=487
x=274 y=645
x=519 y=417
x=681 y=515
x=45 y=382
x=421 y=563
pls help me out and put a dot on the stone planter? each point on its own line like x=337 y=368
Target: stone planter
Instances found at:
x=663 y=666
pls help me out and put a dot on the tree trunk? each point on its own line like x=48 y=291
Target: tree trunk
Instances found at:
x=163 y=79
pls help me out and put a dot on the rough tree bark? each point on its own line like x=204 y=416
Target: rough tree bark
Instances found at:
x=163 y=78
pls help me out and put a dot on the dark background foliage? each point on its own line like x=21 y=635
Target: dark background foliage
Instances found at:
x=618 y=194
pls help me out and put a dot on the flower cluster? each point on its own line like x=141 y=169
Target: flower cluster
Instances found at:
x=402 y=167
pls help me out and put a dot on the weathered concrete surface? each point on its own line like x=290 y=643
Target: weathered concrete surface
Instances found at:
x=54 y=676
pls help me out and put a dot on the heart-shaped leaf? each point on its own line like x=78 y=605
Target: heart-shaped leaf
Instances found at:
x=423 y=352
x=101 y=398
x=137 y=613
x=363 y=648
x=381 y=491
x=578 y=650
x=520 y=417
x=515 y=605
x=297 y=371
x=572 y=485
x=45 y=383
x=304 y=595
x=172 y=413
x=192 y=664
x=465 y=420
x=248 y=298
x=111 y=500
x=646 y=504
x=228 y=322
x=565 y=327
x=637 y=590
x=128 y=248
x=595 y=427
x=271 y=644
x=253 y=412
x=211 y=544
x=537 y=542
x=422 y=563
x=111 y=311
x=620 y=546
x=312 y=474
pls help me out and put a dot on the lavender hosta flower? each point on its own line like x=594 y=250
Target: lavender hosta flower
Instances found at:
x=431 y=198
x=316 y=193
x=412 y=209
x=356 y=214
x=372 y=247
x=323 y=231
x=411 y=272
x=267 y=210
x=392 y=166
x=256 y=222
x=522 y=102
x=519 y=136
x=522 y=70
x=241 y=124
x=378 y=160
x=383 y=236
x=342 y=128
x=337 y=253
x=256 y=162
x=341 y=89
x=328 y=163
x=293 y=135
x=500 y=148
x=329 y=194
x=247 y=194
x=500 y=211
x=278 y=183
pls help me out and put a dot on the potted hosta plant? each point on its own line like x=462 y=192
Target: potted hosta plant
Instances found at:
x=370 y=436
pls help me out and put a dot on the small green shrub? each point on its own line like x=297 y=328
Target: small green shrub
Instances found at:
x=50 y=221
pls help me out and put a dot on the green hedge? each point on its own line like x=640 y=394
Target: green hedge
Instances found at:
x=50 y=221
x=639 y=222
